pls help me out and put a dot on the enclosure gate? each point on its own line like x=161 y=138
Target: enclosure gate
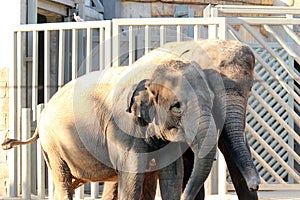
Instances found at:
x=49 y=55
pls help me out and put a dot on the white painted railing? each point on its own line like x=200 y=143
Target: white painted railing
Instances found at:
x=73 y=61
x=146 y=34
x=241 y=10
x=68 y=50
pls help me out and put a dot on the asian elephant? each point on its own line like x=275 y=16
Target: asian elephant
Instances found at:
x=233 y=63
x=117 y=124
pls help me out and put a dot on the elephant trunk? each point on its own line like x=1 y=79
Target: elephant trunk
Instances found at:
x=204 y=148
x=234 y=140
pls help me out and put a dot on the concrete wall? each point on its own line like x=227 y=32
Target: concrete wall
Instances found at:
x=252 y=2
x=3 y=128
x=166 y=8
x=286 y=3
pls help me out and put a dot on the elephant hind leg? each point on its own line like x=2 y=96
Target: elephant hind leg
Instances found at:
x=62 y=179
x=76 y=184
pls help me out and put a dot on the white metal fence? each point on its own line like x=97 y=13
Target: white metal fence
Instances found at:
x=46 y=57
x=49 y=55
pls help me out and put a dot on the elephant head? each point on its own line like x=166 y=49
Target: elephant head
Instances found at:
x=177 y=106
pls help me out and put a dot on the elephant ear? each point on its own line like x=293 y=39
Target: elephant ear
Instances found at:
x=140 y=101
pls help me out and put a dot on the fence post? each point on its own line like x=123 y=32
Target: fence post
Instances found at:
x=26 y=154
x=212 y=29
x=79 y=193
x=13 y=130
x=222 y=184
x=108 y=44
x=50 y=186
x=40 y=161
x=94 y=190
x=115 y=42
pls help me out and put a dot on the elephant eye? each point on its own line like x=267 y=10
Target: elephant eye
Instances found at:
x=176 y=107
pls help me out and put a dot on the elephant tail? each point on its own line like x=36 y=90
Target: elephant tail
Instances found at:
x=10 y=143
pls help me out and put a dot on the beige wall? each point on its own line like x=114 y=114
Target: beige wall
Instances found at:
x=256 y=2
x=3 y=128
x=295 y=3
x=166 y=8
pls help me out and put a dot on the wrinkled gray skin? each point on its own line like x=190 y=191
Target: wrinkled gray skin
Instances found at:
x=233 y=63
x=102 y=126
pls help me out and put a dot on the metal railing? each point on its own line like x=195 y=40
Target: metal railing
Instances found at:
x=241 y=10
x=160 y=31
x=46 y=57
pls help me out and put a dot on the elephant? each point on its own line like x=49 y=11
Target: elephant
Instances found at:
x=124 y=122
x=232 y=63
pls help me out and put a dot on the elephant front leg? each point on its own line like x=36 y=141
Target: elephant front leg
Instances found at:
x=149 y=186
x=110 y=191
x=170 y=180
x=188 y=162
x=130 y=185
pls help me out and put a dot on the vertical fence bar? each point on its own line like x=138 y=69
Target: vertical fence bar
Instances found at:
x=20 y=97
x=61 y=58
x=162 y=35
x=26 y=154
x=222 y=31
x=89 y=40
x=102 y=52
x=131 y=48
x=12 y=154
x=291 y=102
x=147 y=39
x=81 y=53
x=50 y=186
x=47 y=96
x=212 y=31
x=34 y=74
x=47 y=66
x=74 y=53
x=79 y=193
x=115 y=43
x=222 y=184
x=196 y=32
x=20 y=62
x=67 y=57
x=34 y=98
x=94 y=190
x=178 y=33
x=108 y=44
x=41 y=174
